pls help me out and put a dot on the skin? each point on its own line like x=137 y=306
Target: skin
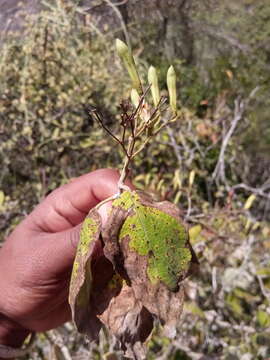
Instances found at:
x=36 y=259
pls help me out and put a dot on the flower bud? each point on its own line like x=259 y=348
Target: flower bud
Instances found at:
x=153 y=81
x=171 y=83
x=126 y=56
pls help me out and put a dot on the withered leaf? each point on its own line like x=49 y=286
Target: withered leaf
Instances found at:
x=129 y=321
x=155 y=256
x=92 y=277
x=144 y=255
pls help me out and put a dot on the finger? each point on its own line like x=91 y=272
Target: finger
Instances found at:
x=55 y=318
x=68 y=205
x=60 y=248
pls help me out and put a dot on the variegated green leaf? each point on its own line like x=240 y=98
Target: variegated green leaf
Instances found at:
x=154 y=231
x=82 y=280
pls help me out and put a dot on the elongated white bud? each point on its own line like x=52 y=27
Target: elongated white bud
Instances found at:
x=171 y=84
x=126 y=55
x=153 y=81
x=135 y=97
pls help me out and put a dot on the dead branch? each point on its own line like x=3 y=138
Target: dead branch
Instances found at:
x=239 y=109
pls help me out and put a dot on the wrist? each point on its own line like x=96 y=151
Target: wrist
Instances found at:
x=11 y=333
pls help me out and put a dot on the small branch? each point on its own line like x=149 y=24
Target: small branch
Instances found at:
x=256 y=191
x=141 y=147
x=124 y=172
x=214 y=279
x=93 y=112
x=240 y=106
x=265 y=292
x=122 y=22
x=216 y=33
x=219 y=172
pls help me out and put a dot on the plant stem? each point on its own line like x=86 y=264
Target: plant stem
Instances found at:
x=128 y=158
x=123 y=176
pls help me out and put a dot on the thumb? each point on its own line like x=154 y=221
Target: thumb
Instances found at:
x=61 y=247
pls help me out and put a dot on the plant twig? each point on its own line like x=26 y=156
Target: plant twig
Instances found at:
x=93 y=112
x=219 y=172
x=122 y=22
x=265 y=292
x=239 y=109
x=256 y=191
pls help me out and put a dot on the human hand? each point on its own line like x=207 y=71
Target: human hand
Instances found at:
x=36 y=259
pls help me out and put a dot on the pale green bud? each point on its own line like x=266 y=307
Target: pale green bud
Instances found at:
x=171 y=84
x=126 y=55
x=135 y=97
x=153 y=81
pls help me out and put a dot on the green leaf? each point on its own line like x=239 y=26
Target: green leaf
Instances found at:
x=246 y=296
x=235 y=305
x=194 y=233
x=249 y=202
x=159 y=236
x=265 y=271
x=263 y=318
x=81 y=279
x=193 y=308
x=155 y=255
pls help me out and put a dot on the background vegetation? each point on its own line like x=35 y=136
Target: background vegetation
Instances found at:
x=213 y=163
